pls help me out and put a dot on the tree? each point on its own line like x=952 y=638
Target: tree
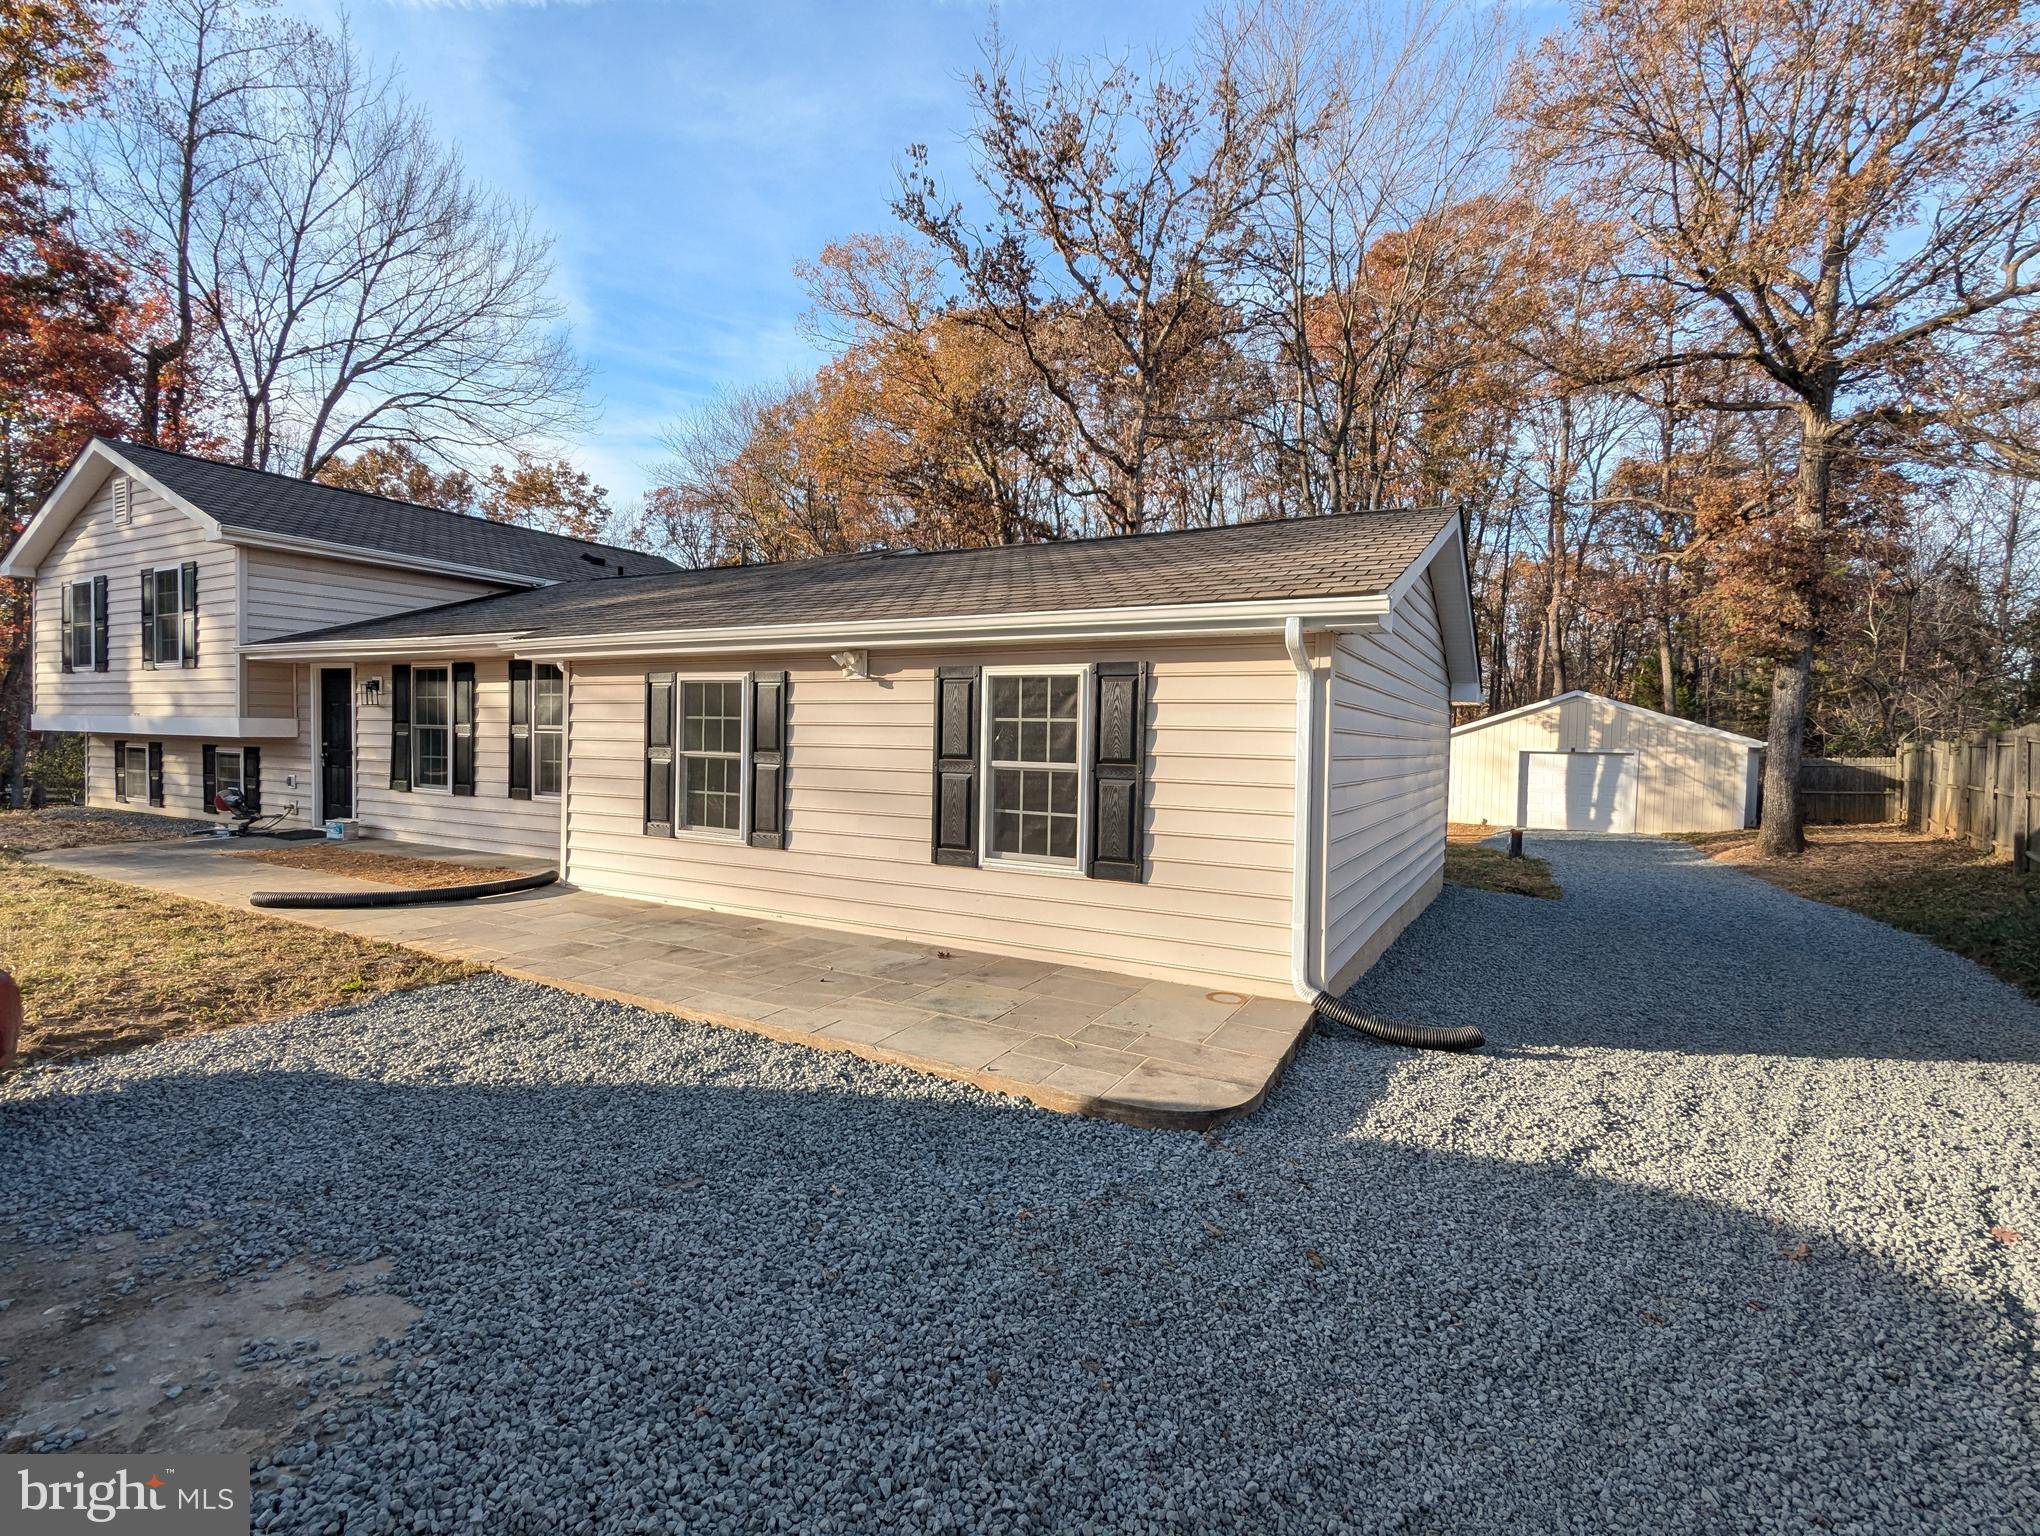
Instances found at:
x=547 y=494
x=67 y=316
x=1117 y=207
x=1845 y=196
x=352 y=284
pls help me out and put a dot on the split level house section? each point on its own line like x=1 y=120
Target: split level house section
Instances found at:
x=1216 y=756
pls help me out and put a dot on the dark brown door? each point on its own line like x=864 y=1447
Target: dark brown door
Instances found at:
x=336 y=743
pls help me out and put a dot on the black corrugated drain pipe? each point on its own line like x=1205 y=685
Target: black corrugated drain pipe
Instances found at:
x=426 y=896
x=1426 y=1037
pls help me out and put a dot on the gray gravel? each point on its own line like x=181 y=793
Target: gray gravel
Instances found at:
x=1700 y=1243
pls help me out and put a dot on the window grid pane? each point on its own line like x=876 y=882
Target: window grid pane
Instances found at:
x=547 y=762
x=430 y=718
x=81 y=625
x=169 y=605
x=1035 y=777
x=226 y=773
x=711 y=744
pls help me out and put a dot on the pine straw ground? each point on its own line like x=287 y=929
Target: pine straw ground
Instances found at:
x=109 y=967
x=1468 y=862
x=386 y=868
x=1960 y=897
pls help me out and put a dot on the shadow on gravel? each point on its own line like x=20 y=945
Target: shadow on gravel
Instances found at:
x=1655 y=947
x=858 y=1295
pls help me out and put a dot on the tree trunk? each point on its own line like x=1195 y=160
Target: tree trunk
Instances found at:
x=1781 y=835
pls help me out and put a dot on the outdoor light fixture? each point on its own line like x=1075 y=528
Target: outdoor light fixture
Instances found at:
x=371 y=691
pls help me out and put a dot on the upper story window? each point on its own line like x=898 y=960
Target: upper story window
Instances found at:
x=548 y=728
x=1034 y=764
x=431 y=728
x=170 y=616
x=82 y=639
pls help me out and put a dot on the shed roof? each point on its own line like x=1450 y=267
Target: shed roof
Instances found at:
x=1601 y=698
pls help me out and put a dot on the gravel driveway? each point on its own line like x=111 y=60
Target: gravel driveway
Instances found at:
x=1701 y=1243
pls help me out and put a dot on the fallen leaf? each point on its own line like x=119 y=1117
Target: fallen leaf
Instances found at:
x=1656 y=1319
x=1213 y=1228
x=1315 y=1259
x=1799 y=1251
x=991 y=1376
x=1756 y=1306
x=943 y=954
x=2004 y=1234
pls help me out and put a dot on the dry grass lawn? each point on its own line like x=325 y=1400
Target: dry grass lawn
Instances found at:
x=386 y=868
x=1491 y=869
x=108 y=967
x=1958 y=896
x=86 y=827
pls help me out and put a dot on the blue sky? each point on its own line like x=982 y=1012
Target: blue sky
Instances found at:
x=687 y=154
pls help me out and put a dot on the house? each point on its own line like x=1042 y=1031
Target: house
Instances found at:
x=1584 y=763
x=1216 y=757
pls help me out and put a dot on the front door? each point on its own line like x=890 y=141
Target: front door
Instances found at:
x=336 y=743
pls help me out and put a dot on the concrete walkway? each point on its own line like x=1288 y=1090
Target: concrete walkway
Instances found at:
x=1069 y=1039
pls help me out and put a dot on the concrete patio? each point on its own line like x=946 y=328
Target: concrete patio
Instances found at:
x=1063 y=1037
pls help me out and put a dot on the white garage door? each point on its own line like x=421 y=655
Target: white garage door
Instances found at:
x=1580 y=791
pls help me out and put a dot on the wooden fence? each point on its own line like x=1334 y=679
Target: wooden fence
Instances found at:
x=1985 y=790
x=1851 y=791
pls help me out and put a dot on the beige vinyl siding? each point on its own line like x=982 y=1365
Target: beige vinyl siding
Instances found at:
x=1689 y=778
x=1388 y=730
x=183 y=775
x=488 y=821
x=1214 y=909
x=290 y=593
x=159 y=536
x=286 y=765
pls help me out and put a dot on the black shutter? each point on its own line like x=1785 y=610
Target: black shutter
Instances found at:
x=520 y=730
x=770 y=694
x=251 y=778
x=659 y=754
x=148 y=618
x=120 y=770
x=209 y=779
x=67 y=624
x=956 y=730
x=463 y=727
x=400 y=727
x=1119 y=754
x=99 y=606
x=188 y=620
x=155 y=773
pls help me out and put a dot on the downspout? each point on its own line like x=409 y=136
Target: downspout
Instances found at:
x=1302 y=944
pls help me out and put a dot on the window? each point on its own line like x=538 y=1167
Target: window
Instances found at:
x=431 y=728
x=548 y=729
x=83 y=620
x=168 y=647
x=711 y=755
x=1034 y=753
x=134 y=783
x=227 y=781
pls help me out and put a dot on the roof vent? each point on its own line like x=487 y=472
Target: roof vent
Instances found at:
x=123 y=501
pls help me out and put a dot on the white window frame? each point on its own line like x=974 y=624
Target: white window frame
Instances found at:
x=127 y=778
x=559 y=730
x=1033 y=862
x=742 y=832
x=90 y=625
x=176 y=615
x=416 y=783
x=220 y=755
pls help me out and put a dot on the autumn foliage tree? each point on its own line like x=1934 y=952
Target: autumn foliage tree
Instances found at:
x=68 y=321
x=1845 y=197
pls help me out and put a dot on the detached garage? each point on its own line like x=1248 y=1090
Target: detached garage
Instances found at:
x=1584 y=763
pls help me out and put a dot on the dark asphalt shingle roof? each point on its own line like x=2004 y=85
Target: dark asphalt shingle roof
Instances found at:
x=1356 y=555
x=260 y=502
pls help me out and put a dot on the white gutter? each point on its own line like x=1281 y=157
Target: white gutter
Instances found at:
x=1304 y=819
